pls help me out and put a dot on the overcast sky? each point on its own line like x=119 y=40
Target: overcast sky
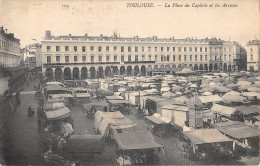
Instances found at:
x=29 y=19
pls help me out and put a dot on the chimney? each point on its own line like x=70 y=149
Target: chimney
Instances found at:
x=47 y=33
x=11 y=35
x=69 y=35
x=6 y=31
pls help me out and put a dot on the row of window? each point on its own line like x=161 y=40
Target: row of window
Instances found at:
x=31 y=58
x=163 y=58
x=136 y=49
x=8 y=46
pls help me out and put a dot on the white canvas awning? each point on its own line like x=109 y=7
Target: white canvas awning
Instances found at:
x=210 y=98
x=58 y=114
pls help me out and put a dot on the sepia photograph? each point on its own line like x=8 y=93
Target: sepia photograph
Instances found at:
x=124 y=82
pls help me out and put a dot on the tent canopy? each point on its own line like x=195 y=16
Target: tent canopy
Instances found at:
x=54 y=83
x=114 y=97
x=176 y=107
x=158 y=119
x=82 y=95
x=136 y=140
x=85 y=144
x=246 y=110
x=49 y=106
x=210 y=98
x=53 y=100
x=185 y=71
x=58 y=114
x=206 y=94
x=62 y=95
x=237 y=129
x=55 y=87
x=233 y=98
x=113 y=120
x=118 y=101
x=223 y=110
x=204 y=136
x=96 y=105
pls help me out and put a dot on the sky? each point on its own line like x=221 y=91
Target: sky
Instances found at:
x=29 y=19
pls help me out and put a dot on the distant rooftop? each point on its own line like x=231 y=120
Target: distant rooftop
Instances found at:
x=9 y=36
x=253 y=42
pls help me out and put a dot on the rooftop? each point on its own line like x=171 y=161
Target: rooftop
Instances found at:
x=253 y=42
x=115 y=37
x=10 y=36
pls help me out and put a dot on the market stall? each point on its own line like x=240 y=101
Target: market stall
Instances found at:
x=91 y=108
x=207 y=144
x=107 y=123
x=158 y=124
x=137 y=148
x=243 y=135
x=123 y=106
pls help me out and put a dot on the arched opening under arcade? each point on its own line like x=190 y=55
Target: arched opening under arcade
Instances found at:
x=206 y=67
x=229 y=68
x=92 y=72
x=115 y=70
x=67 y=73
x=76 y=73
x=58 y=74
x=49 y=74
x=136 y=70
x=215 y=67
x=168 y=69
x=107 y=71
x=196 y=67
x=149 y=70
x=179 y=67
x=100 y=72
x=122 y=70
x=143 y=70
x=161 y=69
x=210 y=67
x=129 y=70
x=201 y=67
x=225 y=67
x=84 y=73
x=173 y=68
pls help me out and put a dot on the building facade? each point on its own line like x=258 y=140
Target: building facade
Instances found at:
x=9 y=49
x=253 y=55
x=81 y=57
x=32 y=56
x=10 y=59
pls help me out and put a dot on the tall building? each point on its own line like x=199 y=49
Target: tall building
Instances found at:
x=9 y=49
x=253 y=55
x=81 y=57
x=10 y=57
